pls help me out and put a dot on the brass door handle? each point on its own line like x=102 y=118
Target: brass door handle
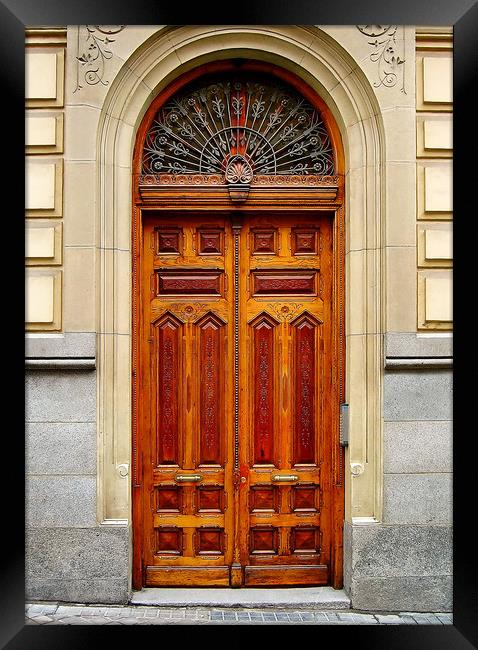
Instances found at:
x=285 y=477
x=188 y=477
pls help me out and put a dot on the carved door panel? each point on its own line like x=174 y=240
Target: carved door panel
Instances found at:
x=187 y=320
x=286 y=393
x=237 y=390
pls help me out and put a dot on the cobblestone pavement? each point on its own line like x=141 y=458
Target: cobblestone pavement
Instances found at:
x=57 y=614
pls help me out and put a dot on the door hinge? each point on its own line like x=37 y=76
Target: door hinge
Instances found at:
x=344 y=425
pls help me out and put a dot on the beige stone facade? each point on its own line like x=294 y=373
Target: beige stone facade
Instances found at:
x=82 y=115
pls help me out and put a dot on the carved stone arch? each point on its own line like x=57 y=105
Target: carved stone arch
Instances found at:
x=327 y=69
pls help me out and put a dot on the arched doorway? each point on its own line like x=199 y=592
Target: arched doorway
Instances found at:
x=238 y=326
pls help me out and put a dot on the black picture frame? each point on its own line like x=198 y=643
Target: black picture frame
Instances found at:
x=15 y=15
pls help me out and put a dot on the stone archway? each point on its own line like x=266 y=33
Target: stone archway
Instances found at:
x=327 y=68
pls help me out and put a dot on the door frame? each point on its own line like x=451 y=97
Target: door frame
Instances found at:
x=278 y=199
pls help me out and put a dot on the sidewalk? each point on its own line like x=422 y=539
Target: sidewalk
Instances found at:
x=80 y=614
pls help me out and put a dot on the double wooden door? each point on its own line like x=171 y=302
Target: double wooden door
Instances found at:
x=238 y=399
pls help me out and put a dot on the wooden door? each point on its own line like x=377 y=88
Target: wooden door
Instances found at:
x=286 y=398
x=187 y=321
x=237 y=398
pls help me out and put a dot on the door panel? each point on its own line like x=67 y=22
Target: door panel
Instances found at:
x=276 y=520
x=187 y=321
x=286 y=332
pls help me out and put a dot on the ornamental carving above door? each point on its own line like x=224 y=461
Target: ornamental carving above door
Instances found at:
x=238 y=335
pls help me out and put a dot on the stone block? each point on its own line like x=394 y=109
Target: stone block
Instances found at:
x=60 y=501
x=417 y=499
x=68 y=344
x=72 y=553
x=418 y=395
x=60 y=448
x=90 y=590
x=410 y=344
x=400 y=551
x=66 y=396
x=418 y=447
x=412 y=593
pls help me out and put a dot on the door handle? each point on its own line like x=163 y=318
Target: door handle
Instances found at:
x=284 y=477
x=188 y=477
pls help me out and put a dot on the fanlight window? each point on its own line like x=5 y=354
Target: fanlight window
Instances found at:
x=239 y=128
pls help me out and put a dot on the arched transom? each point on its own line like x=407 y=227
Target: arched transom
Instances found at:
x=240 y=127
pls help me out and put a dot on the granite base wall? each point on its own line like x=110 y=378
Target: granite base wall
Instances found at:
x=79 y=565
x=402 y=563
x=405 y=561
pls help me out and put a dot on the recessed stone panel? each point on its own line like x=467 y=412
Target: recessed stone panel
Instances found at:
x=437 y=80
x=438 y=134
x=40 y=242
x=435 y=244
x=43 y=300
x=435 y=299
x=40 y=75
x=43 y=187
x=44 y=77
x=435 y=190
x=438 y=245
x=438 y=189
x=40 y=131
x=40 y=186
x=438 y=299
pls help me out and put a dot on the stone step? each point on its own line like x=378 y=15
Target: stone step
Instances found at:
x=296 y=597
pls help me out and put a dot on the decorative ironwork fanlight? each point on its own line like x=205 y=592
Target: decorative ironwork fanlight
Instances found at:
x=241 y=129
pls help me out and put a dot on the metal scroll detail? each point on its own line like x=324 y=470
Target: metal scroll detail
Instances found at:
x=259 y=126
